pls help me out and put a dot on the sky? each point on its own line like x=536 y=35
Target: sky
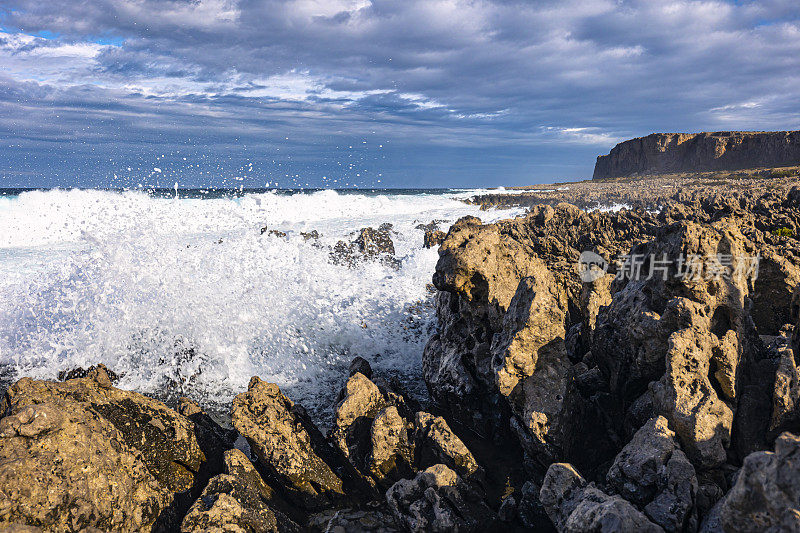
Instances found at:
x=375 y=93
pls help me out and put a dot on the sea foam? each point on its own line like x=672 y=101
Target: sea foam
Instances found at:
x=188 y=297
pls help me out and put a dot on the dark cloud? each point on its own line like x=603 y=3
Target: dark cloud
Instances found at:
x=476 y=92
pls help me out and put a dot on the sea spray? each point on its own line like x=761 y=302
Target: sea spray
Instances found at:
x=188 y=297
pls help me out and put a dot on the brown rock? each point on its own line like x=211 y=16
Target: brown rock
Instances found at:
x=237 y=501
x=83 y=454
x=437 y=444
x=289 y=447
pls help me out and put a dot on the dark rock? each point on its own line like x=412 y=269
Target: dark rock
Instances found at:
x=433 y=238
x=575 y=505
x=437 y=499
x=360 y=365
x=766 y=495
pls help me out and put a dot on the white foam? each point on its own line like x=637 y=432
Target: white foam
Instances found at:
x=191 y=290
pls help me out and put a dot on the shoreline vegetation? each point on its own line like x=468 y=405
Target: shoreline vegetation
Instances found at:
x=563 y=396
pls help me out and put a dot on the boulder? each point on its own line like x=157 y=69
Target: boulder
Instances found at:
x=82 y=454
x=391 y=455
x=372 y=242
x=433 y=237
x=437 y=499
x=361 y=366
x=360 y=401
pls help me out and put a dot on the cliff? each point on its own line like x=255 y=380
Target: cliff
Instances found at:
x=665 y=153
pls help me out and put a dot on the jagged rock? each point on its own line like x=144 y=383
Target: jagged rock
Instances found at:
x=291 y=449
x=533 y=323
x=101 y=372
x=577 y=506
x=84 y=454
x=372 y=242
x=698 y=325
x=438 y=500
x=214 y=440
x=392 y=453
x=238 y=501
x=433 y=238
x=437 y=444
x=778 y=276
x=766 y=495
x=653 y=473
x=479 y=273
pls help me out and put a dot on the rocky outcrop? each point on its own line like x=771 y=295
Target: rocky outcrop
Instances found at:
x=83 y=454
x=679 y=365
x=664 y=153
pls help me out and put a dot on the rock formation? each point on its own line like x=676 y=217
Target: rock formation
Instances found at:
x=664 y=153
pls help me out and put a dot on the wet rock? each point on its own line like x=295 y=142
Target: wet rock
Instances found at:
x=312 y=235
x=575 y=505
x=63 y=445
x=100 y=371
x=437 y=444
x=360 y=365
x=272 y=232
x=653 y=473
x=433 y=238
x=291 y=450
x=238 y=501
x=766 y=493
x=437 y=499
x=372 y=242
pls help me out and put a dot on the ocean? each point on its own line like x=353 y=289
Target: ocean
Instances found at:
x=181 y=294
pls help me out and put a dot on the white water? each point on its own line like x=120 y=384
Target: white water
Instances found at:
x=190 y=291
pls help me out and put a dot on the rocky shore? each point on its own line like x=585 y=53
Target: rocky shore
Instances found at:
x=619 y=401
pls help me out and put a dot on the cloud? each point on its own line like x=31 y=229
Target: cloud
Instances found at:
x=510 y=78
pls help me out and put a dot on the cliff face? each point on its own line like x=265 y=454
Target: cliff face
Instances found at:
x=664 y=153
